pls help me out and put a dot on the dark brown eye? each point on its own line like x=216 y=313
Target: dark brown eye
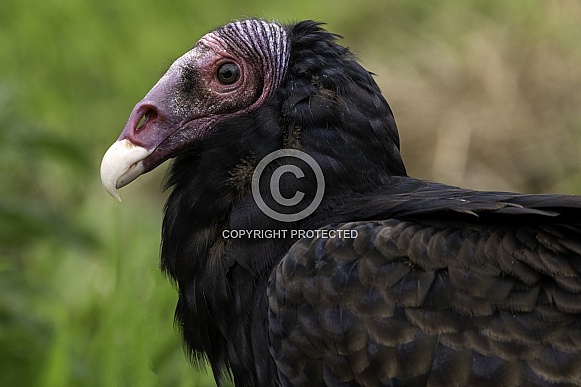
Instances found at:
x=228 y=73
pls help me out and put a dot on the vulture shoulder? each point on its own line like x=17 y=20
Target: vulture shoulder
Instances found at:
x=415 y=300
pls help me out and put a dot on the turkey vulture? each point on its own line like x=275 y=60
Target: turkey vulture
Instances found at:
x=387 y=279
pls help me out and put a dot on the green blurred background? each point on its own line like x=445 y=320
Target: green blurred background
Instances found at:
x=487 y=94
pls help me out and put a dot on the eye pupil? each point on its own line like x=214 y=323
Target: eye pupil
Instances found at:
x=228 y=73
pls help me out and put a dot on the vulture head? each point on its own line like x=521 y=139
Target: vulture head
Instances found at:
x=254 y=80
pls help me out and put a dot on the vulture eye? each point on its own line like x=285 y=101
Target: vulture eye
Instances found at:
x=228 y=73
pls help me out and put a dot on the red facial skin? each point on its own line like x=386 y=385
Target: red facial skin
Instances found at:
x=188 y=101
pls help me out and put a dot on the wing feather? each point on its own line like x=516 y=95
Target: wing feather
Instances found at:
x=440 y=303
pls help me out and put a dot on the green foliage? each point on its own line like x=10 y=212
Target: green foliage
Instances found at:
x=82 y=302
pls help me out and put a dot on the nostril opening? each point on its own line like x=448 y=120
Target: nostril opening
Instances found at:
x=151 y=114
x=142 y=122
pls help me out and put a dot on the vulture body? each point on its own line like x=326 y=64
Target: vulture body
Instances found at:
x=392 y=281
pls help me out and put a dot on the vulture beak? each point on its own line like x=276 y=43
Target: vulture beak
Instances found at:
x=152 y=135
x=133 y=153
x=122 y=163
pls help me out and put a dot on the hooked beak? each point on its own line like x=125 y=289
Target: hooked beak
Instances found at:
x=122 y=163
x=148 y=137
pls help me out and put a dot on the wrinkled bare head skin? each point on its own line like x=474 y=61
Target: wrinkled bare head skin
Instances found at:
x=229 y=71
